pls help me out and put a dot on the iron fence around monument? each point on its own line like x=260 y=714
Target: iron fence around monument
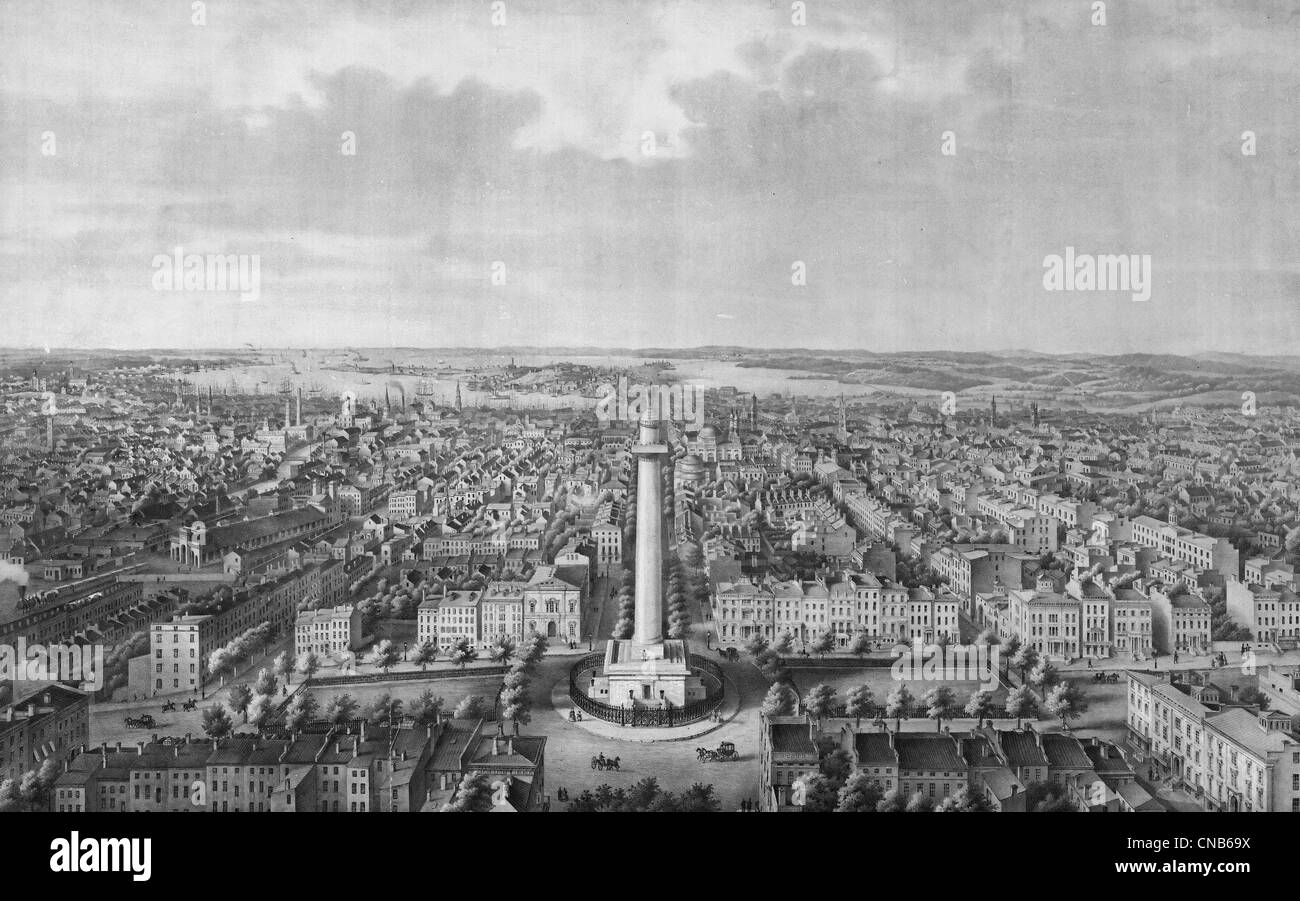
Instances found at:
x=645 y=716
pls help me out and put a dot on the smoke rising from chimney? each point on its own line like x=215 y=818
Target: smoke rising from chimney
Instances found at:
x=12 y=572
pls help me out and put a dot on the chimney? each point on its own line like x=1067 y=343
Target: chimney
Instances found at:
x=496 y=745
x=139 y=749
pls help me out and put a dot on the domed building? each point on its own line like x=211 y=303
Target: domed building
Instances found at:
x=704 y=445
x=711 y=448
x=690 y=472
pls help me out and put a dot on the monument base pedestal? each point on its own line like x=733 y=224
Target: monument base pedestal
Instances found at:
x=654 y=674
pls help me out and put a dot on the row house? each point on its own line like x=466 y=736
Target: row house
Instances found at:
x=328 y=631
x=106 y=604
x=1230 y=758
x=47 y=723
x=181 y=646
x=334 y=772
x=1271 y=613
x=853 y=604
x=1202 y=551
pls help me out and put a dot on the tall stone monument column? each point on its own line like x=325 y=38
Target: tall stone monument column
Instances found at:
x=649 y=537
x=647 y=671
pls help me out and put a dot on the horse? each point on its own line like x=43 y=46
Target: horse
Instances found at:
x=191 y=704
x=169 y=706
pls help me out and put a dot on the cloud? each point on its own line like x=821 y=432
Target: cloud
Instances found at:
x=523 y=145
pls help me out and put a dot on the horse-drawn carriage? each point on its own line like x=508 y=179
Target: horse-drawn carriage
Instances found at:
x=725 y=751
x=144 y=721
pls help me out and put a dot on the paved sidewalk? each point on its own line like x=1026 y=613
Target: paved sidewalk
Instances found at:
x=1165 y=663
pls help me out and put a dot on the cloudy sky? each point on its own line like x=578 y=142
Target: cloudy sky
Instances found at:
x=523 y=143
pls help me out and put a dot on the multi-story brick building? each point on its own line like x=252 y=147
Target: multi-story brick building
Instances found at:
x=1052 y=623
x=1180 y=623
x=1228 y=757
x=180 y=647
x=41 y=724
x=1201 y=551
x=447 y=619
x=1270 y=612
x=106 y=603
x=787 y=754
x=328 y=631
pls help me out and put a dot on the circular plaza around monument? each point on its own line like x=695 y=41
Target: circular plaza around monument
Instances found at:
x=587 y=675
